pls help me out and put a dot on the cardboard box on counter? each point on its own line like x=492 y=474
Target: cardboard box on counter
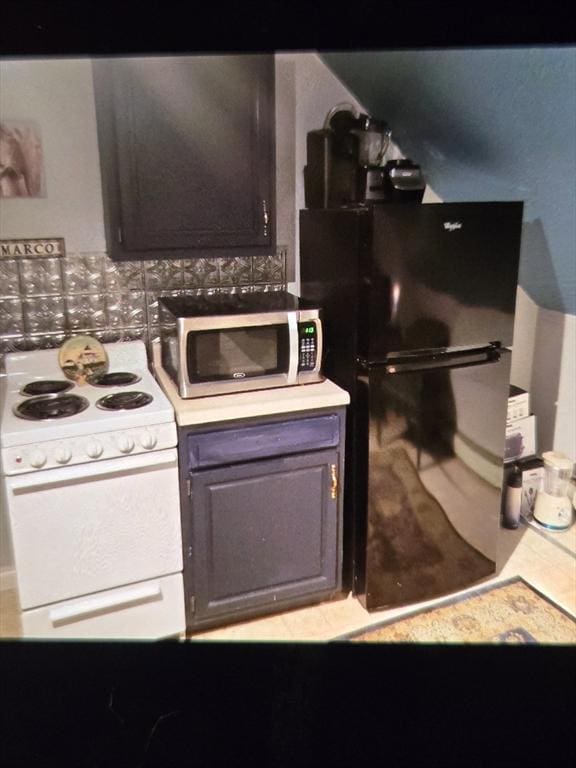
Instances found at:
x=518 y=404
x=532 y=472
x=520 y=438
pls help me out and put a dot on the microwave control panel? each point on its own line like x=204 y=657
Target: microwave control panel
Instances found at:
x=308 y=346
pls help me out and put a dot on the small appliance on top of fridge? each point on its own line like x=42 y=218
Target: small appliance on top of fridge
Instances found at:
x=418 y=306
x=345 y=164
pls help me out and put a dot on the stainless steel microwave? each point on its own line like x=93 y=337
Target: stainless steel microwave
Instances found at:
x=222 y=343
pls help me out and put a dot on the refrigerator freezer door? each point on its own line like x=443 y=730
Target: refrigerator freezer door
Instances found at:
x=440 y=276
x=430 y=478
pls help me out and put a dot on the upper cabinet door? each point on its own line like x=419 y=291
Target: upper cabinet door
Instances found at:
x=187 y=154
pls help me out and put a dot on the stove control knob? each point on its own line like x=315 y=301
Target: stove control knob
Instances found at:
x=125 y=444
x=94 y=449
x=148 y=440
x=63 y=455
x=37 y=459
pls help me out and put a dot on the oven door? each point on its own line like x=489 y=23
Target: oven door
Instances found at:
x=91 y=527
x=235 y=354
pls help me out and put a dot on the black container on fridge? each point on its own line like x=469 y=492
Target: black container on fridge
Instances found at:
x=344 y=164
x=402 y=182
x=418 y=305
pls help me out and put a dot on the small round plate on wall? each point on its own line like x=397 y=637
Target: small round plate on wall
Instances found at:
x=82 y=357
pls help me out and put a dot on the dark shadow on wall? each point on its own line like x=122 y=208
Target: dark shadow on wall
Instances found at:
x=537 y=274
x=535 y=268
x=545 y=381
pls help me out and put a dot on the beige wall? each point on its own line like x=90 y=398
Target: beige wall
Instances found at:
x=59 y=97
x=544 y=363
x=306 y=91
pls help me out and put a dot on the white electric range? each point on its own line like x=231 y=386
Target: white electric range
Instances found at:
x=90 y=483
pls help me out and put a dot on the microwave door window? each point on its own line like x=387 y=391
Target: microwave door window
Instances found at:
x=237 y=353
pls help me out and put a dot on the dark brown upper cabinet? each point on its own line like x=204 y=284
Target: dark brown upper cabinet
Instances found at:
x=187 y=155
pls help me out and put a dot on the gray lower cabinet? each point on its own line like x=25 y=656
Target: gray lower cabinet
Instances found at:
x=262 y=534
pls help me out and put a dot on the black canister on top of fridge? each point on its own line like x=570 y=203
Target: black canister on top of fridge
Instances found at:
x=331 y=175
x=344 y=163
x=402 y=182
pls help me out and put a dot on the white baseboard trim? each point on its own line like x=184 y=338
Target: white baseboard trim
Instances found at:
x=7 y=579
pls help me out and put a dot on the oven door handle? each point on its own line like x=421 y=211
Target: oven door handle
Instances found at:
x=50 y=478
x=94 y=604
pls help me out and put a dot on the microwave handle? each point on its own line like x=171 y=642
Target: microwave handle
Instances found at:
x=294 y=347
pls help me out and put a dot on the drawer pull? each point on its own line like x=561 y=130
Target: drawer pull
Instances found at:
x=334 y=478
x=70 y=613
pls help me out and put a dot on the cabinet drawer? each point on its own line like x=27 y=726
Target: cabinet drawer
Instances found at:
x=148 y=610
x=232 y=446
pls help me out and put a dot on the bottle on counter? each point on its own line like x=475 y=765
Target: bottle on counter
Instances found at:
x=513 y=500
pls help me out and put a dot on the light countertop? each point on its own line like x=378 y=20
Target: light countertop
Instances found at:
x=246 y=405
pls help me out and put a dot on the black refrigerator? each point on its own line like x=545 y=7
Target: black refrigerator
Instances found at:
x=418 y=308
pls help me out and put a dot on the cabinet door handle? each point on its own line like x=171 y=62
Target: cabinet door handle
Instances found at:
x=334 y=479
x=265 y=217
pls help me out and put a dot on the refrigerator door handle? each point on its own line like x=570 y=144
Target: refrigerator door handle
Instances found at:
x=435 y=360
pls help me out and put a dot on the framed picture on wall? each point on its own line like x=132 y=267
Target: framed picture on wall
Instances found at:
x=21 y=160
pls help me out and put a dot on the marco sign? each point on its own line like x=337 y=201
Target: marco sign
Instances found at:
x=31 y=249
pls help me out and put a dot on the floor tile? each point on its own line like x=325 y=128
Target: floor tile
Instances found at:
x=10 y=626
x=550 y=582
x=344 y=614
x=219 y=633
x=565 y=539
x=307 y=624
x=545 y=545
x=510 y=569
x=566 y=599
x=528 y=560
x=267 y=629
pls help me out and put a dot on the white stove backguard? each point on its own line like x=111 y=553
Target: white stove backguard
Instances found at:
x=124 y=355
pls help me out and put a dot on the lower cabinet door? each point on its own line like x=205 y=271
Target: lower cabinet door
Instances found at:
x=262 y=534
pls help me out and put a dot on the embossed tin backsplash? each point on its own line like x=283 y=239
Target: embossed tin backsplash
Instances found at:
x=45 y=301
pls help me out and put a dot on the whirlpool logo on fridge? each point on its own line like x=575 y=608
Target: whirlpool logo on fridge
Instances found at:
x=451 y=226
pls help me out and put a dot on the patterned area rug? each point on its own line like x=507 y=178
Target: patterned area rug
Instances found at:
x=509 y=612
